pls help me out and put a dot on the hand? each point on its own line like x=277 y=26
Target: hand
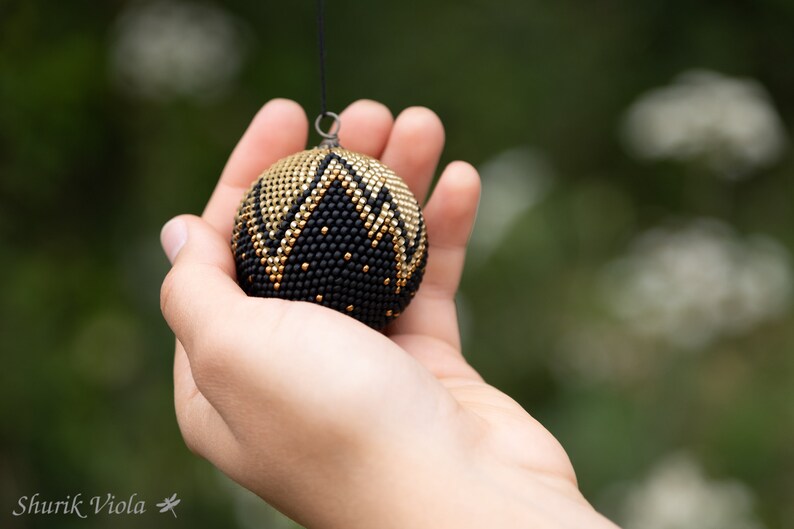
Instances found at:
x=333 y=423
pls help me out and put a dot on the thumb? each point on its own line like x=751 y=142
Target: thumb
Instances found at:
x=201 y=284
x=206 y=244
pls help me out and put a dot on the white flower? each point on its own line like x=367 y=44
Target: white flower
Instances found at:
x=691 y=285
x=512 y=182
x=730 y=123
x=170 y=48
x=677 y=495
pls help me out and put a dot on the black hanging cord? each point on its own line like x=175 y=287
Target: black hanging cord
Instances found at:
x=321 y=43
x=330 y=137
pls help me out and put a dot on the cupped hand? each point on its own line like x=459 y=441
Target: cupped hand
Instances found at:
x=333 y=423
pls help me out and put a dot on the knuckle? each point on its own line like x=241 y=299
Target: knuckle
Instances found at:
x=207 y=369
x=167 y=290
x=209 y=363
x=215 y=355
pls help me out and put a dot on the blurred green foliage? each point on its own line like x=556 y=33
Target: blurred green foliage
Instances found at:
x=90 y=171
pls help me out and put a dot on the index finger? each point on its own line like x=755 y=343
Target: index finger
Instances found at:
x=280 y=128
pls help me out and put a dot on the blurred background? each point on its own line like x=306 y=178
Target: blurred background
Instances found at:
x=630 y=278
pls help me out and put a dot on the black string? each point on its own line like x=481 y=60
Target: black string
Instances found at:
x=321 y=42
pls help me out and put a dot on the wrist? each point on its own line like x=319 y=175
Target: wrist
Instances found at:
x=438 y=490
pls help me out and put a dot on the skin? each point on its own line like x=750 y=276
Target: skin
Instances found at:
x=337 y=425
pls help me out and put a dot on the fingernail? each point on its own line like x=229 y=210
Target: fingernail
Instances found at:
x=173 y=237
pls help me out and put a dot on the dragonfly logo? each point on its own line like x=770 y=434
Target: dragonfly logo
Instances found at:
x=168 y=504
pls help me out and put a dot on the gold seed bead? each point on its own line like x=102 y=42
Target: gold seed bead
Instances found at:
x=349 y=308
x=386 y=281
x=366 y=268
x=324 y=231
x=318 y=298
x=348 y=255
x=389 y=312
x=305 y=266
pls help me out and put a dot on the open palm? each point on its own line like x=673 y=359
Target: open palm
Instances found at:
x=332 y=422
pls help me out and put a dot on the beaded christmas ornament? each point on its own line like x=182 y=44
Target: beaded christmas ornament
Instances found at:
x=333 y=227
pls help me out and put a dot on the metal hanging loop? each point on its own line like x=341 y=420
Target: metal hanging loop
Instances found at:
x=330 y=138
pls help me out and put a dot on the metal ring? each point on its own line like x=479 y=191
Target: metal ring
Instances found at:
x=333 y=132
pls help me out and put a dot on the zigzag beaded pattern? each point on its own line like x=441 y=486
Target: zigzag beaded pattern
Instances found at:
x=332 y=227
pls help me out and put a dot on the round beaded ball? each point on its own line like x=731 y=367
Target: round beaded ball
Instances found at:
x=333 y=227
